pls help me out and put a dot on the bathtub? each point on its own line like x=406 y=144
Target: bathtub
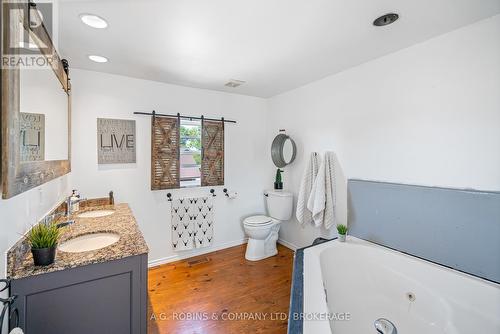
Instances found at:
x=347 y=286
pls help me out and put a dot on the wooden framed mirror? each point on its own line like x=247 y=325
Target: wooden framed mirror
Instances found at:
x=36 y=102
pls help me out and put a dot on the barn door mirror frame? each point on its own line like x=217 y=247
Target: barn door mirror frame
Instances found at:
x=19 y=175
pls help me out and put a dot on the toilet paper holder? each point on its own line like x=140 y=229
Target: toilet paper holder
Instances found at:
x=230 y=194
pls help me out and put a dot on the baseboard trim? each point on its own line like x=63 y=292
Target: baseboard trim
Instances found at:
x=287 y=244
x=187 y=254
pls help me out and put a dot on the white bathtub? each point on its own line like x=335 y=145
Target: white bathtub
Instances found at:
x=364 y=281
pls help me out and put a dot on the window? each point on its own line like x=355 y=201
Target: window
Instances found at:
x=186 y=153
x=190 y=153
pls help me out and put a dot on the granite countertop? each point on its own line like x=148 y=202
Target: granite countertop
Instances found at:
x=122 y=222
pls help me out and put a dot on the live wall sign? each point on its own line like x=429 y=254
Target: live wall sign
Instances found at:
x=115 y=141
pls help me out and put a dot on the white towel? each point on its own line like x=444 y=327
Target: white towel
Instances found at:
x=322 y=199
x=302 y=213
x=16 y=330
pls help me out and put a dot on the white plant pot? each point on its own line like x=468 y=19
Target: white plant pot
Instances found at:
x=342 y=237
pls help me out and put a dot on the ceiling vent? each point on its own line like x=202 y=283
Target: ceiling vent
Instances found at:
x=234 y=83
x=385 y=19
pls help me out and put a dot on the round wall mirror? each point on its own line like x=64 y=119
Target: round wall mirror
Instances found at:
x=283 y=150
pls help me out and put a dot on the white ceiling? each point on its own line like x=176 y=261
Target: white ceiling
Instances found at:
x=273 y=45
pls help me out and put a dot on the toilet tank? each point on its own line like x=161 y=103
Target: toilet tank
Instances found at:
x=279 y=204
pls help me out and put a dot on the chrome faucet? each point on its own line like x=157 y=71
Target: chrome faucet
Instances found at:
x=53 y=217
x=384 y=326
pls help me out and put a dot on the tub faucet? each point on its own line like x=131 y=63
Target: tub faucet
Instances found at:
x=384 y=326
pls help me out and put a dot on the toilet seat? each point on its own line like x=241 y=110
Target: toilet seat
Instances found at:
x=258 y=221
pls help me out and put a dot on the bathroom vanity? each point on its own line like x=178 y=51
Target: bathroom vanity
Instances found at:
x=86 y=290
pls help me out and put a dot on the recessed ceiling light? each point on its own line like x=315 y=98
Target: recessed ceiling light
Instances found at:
x=385 y=19
x=94 y=21
x=98 y=59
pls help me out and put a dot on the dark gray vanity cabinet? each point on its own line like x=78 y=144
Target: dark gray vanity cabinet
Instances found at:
x=103 y=298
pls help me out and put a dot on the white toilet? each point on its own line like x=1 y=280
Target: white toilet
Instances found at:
x=262 y=231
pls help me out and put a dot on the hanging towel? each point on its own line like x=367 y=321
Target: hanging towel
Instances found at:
x=204 y=222
x=322 y=200
x=16 y=330
x=192 y=223
x=182 y=225
x=302 y=213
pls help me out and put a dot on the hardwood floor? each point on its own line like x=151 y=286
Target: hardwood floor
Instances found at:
x=221 y=292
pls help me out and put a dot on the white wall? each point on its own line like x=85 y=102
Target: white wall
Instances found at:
x=110 y=96
x=429 y=114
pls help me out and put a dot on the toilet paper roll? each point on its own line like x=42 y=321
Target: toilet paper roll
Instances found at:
x=232 y=194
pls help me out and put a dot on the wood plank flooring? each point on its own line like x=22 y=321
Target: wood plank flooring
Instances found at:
x=221 y=292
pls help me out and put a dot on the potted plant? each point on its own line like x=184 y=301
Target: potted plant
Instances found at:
x=43 y=241
x=342 y=231
x=278 y=183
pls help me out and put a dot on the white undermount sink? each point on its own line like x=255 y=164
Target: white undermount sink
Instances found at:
x=96 y=214
x=89 y=242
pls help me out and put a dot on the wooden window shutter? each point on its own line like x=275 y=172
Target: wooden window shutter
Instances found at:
x=212 y=163
x=165 y=165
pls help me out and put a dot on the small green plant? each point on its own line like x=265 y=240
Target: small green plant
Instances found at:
x=342 y=229
x=43 y=236
x=278 y=176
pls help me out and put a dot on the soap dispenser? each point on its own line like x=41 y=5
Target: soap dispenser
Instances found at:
x=75 y=204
